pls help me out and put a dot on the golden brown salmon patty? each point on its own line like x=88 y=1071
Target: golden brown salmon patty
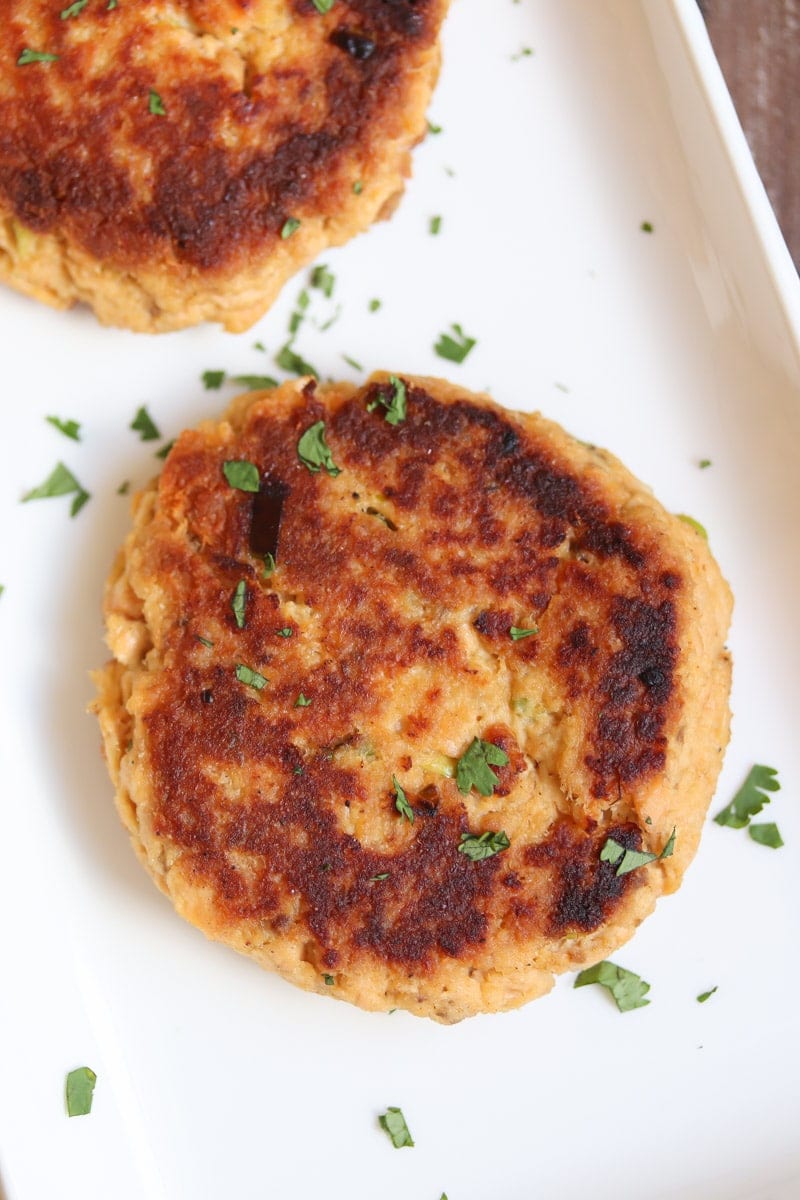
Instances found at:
x=176 y=161
x=389 y=722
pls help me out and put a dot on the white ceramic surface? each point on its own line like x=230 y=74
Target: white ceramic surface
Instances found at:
x=215 y=1079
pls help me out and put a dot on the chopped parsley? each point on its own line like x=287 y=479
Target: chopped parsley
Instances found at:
x=302 y=701
x=627 y=988
x=435 y=225
x=646 y=227
x=516 y=634
x=270 y=566
x=379 y=878
x=70 y=429
x=400 y=801
x=241 y=474
x=374 y=305
x=73 y=9
x=474 y=767
x=255 y=383
x=396 y=404
x=79 y=1091
x=205 y=641
x=60 y=482
x=290 y=226
x=288 y=360
x=323 y=6
x=704 y=462
x=239 y=603
x=287 y=631
x=297 y=317
x=165 y=449
x=750 y=798
x=145 y=426
x=433 y=128
x=35 y=56
x=324 y=280
x=629 y=860
x=701 y=999
x=124 y=487
x=213 y=380
x=314 y=452
x=701 y=529
x=352 y=362
x=525 y=52
x=477 y=848
x=253 y=679
x=454 y=349
x=155 y=104
x=358 y=187
x=766 y=834
x=329 y=980
x=394 y=1123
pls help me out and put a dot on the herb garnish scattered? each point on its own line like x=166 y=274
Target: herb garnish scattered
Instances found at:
x=454 y=349
x=124 y=487
x=396 y=404
x=374 y=305
x=323 y=6
x=302 y=701
x=239 y=603
x=435 y=225
x=35 y=56
x=750 y=798
x=433 y=128
x=358 y=187
x=155 y=104
x=630 y=860
x=517 y=634
x=290 y=225
x=474 y=767
x=704 y=462
x=73 y=9
x=766 y=834
x=314 y=452
x=288 y=360
x=165 y=449
x=352 y=362
x=241 y=474
x=401 y=803
x=255 y=383
x=270 y=565
x=286 y=632
x=329 y=980
x=253 y=679
x=79 y=1091
x=60 y=482
x=627 y=988
x=213 y=380
x=484 y=846
x=205 y=641
x=701 y=999
x=394 y=1123
x=323 y=279
x=70 y=429
x=646 y=227
x=701 y=529
x=297 y=317
x=379 y=878
x=144 y=425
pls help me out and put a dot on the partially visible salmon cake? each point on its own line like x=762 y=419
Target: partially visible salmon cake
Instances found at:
x=177 y=161
x=402 y=686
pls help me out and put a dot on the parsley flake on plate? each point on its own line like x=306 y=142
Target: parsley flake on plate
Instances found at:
x=435 y=225
x=627 y=988
x=239 y=603
x=323 y=6
x=701 y=999
x=400 y=801
x=60 y=482
x=73 y=9
x=79 y=1091
x=145 y=426
x=155 y=105
x=324 y=280
x=629 y=860
x=290 y=226
x=394 y=1123
x=696 y=526
x=374 y=305
x=255 y=383
x=288 y=360
x=766 y=834
x=253 y=679
x=750 y=798
x=328 y=980
x=314 y=452
x=35 y=56
x=477 y=848
x=124 y=487
x=516 y=634
x=302 y=701
x=646 y=227
x=165 y=449
x=70 y=429
x=213 y=380
x=454 y=349
x=241 y=474
x=352 y=362
x=474 y=767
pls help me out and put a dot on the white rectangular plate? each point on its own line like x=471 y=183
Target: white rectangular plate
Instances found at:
x=215 y=1079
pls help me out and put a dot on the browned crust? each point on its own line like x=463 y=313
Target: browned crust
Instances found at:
x=495 y=519
x=271 y=111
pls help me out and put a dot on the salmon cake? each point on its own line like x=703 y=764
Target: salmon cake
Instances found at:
x=414 y=700
x=177 y=161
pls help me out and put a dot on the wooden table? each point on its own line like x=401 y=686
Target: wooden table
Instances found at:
x=758 y=45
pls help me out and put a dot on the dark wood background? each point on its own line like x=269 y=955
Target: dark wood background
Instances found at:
x=757 y=43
